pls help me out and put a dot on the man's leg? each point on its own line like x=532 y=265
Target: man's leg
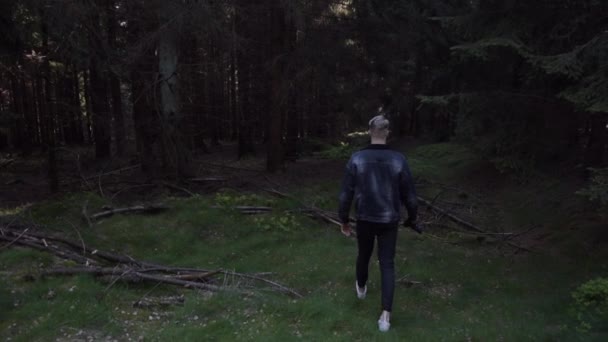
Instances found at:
x=365 y=243
x=387 y=241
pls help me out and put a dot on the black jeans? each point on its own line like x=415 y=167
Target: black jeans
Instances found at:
x=387 y=240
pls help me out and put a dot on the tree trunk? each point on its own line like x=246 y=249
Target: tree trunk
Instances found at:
x=18 y=130
x=245 y=133
x=50 y=127
x=234 y=112
x=146 y=118
x=100 y=111
x=30 y=113
x=175 y=150
x=116 y=93
x=78 y=122
x=274 y=148
x=99 y=94
x=292 y=118
x=41 y=109
x=597 y=145
x=88 y=122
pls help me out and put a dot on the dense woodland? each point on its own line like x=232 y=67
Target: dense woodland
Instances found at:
x=248 y=109
x=523 y=82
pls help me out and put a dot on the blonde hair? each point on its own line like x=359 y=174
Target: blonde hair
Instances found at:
x=378 y=125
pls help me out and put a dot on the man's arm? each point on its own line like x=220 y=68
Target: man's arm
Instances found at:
x=408 y=193
x=347 y=192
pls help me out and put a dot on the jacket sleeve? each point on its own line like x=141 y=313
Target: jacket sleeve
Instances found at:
x=347 y=192
x=408 y=192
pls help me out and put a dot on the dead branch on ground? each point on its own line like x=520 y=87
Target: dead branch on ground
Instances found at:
x=127 y=269
x=452 y=217
x=138 y=209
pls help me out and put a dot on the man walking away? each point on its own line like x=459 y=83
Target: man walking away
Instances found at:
x=379 y=180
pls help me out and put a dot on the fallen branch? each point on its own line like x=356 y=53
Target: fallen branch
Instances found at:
x=232 y=167
x=139 y=209
x=15 y=240
x=112 y=172
x=124 y=267
x=245 y=209
x=129 y=275
x=311 y=210
x=452 y=217
x=85 y=215
x=159 y=302
x=43 y=246
x=408 y=282
x=178 y=188
x=467 y=231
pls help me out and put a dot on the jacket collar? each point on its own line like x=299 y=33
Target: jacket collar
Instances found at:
x=377 y=147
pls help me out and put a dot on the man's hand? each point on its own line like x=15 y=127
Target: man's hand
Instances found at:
x=414 y=225
x=346 y=230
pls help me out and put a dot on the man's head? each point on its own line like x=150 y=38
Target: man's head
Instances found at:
x=378 y=128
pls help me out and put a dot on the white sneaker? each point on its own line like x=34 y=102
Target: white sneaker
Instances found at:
x=361 y=292
x=383 y=323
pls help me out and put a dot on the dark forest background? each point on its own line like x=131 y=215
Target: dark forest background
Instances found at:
x=523 y=82
x=169 y=169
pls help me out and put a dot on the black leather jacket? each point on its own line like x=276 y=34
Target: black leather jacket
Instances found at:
x=379 y=179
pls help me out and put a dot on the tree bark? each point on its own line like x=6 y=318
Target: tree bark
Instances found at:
x=46 y=74
x=100 y=111
x=274 y=148
x=234 y=112
x=146 y=118
x=175 y=150
x=99 y=93
x=245 y=131
x=115 y=89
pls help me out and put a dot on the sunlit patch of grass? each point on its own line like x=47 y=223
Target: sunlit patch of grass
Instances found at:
x=15 y=211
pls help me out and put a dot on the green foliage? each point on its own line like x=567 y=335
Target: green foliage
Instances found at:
x=591 y=303
x=597 y=189
x=436 y=101
x=493 y=125
x=284 y=222
x=483 y=49
x=565 y=65
x=231 y=199
x=341 y=151
x=444 y=161
x=56 y=213
x=589 y=93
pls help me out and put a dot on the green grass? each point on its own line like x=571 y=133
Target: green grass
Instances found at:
x=466 y=292
x=443 y=162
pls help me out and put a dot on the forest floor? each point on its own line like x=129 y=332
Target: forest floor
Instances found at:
x=454 y=285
